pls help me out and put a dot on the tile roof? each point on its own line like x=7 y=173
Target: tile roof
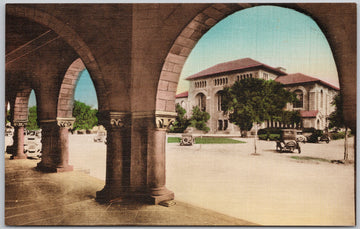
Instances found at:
x=298 y=78
x=182 y=95
x=240 y=64
x=309 y=114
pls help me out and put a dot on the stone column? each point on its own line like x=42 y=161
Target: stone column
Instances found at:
x=156 y=171
x=17 y=149
x=64 y=125
x=50 y=146
x=118 y=162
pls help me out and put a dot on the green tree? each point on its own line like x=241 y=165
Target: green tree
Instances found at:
x=86 y=117
x=32 y=123
x=181 y=122
x=199 y=119
x=255 y=100
x=336 y=119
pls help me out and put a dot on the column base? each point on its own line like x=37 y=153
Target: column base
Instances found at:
x=108 y=195
x=18 y=157
x=50 y=169
x=67 y=168
x=158 y=195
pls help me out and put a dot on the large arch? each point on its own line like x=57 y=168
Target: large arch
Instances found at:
x=70 y=37
x=333 y=30
x=67 y=89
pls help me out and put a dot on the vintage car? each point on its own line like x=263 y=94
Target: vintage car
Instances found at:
x=32 y=144
x=288 y=141
x=100 y=137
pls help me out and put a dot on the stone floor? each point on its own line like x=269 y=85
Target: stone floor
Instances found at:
x=35 y=198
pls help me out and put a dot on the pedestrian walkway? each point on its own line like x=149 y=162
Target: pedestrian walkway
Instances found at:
x=35 y=198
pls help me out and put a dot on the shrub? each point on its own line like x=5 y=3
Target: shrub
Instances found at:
x=339 y=135
x=199 y=119
x=315 y=135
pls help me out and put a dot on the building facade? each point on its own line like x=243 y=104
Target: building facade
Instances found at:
x=205 y=90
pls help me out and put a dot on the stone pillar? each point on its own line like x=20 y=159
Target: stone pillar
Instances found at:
x=50 y=146
x=118 y=162
x=64 y=125
x=156 y=174
x=55 y=145
x=17 y=149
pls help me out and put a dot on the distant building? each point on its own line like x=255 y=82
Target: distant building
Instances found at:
x=206 y=86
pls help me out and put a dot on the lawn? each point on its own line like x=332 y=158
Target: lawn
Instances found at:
x=309 y=158
x=207 y=140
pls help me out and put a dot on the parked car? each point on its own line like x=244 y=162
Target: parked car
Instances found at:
x=32 y=144
x=100 y=137
x=288 y=141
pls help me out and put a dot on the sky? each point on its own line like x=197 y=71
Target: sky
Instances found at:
x=84 y=91
x=275 y=36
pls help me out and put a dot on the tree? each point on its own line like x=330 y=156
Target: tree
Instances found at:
x=336 y=119
x=199 y=119
x=255 y=100
x=86 y=117
x=181 y=122
x=32 y=123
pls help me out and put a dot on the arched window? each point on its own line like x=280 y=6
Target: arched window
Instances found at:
x=201 y=101
x=300 y=97
x=219 y=96
x=321 y=99
x=182 y=104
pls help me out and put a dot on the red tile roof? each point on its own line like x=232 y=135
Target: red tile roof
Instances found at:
x=182 y=95
x=309 y=114
x=298 y=78
x=240 y=64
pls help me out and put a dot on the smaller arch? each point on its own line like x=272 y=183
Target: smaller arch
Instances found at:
x=219 y=99
x=200 y=99
x=300 y=96
x=20 y=105
x=321 y=99
x=67 y=90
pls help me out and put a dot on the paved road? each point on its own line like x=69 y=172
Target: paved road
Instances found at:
x=269 y=189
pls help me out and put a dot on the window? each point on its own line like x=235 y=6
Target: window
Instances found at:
x=226 y=123
x=220 y=124
x=219 y=96
x=299 y=96
x=321 y=99
x=201 y=101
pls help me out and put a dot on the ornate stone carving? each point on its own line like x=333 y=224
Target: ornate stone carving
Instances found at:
x=65 y=122
x=164 y=120
x=117 y=122
x=119 y=119
x=20 y=123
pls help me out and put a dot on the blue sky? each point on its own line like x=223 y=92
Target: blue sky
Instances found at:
x=84 y=92
x=272 y=35
x=275 y=36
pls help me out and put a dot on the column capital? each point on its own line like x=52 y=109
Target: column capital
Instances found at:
x=20 y=123
x=65 y=122
x=115 y=119
x=164 y=119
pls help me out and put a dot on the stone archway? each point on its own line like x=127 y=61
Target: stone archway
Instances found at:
x=19 y=119
x=67 y=89
x=72 y=38
x=202 y=22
